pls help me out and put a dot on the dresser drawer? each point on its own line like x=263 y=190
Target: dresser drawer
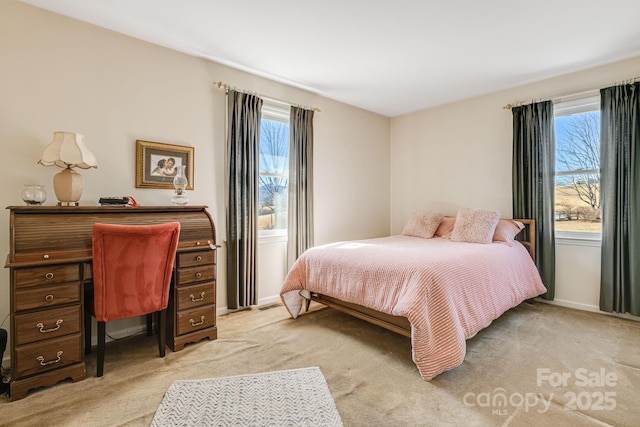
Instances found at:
x=47 y=355
x=47 y=296
x=196 y=295
x=194 y=320
x=46 y=275
x=45 y=324
x=190 y=259
x=195 y=274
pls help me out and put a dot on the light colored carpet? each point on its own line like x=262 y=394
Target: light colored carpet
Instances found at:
x=370 y=374
x=294 y=397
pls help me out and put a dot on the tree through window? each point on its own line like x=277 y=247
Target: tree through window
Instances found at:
x=274 y=170
x=577 y=204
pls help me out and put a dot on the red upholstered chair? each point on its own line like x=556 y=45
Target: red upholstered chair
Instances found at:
x=132 y=266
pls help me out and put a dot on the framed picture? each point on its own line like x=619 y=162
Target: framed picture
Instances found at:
x=157 y=164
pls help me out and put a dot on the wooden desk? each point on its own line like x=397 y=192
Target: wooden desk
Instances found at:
x=50 y=266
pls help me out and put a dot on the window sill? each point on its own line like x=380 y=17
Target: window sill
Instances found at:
x=272 y=238
x=579 y=239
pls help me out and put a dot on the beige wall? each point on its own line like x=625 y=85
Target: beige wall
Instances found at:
x=61 y=74
x=460 y=155
x=370 y=172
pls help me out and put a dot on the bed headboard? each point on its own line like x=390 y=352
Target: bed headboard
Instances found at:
x=528 y=236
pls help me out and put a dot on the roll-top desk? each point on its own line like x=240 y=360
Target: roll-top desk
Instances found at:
x=50 y=266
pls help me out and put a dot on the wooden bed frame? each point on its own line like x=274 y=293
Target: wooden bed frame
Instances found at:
x=401 y=324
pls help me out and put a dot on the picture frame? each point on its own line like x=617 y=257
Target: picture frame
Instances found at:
x=157 y=164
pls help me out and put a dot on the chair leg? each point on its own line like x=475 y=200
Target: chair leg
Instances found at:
x=162 y=332
x=88 y=309
x=102 y=332
x=149 y=324
x=87 y=332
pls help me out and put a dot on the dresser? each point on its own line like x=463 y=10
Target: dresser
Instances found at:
x=50 y=269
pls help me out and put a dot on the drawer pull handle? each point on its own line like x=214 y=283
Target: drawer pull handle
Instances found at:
x=194 y=323
x=44 y=331
x=198 y=275
x=194 y=299
x=48 y=298
x=198 y=258
x=50 y=362
x=49 y=276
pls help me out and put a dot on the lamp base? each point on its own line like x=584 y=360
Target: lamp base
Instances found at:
x=68 y=186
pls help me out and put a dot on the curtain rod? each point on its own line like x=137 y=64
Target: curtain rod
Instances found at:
x=226 y=87
x=587 y=92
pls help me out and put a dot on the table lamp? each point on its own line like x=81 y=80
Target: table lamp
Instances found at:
x=67 y=150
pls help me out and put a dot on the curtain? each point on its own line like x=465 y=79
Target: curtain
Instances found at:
x=243 y=145
x=620 y=193
x=300 y=217
x=534 y=181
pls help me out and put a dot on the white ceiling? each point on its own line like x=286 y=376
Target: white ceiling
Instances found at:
x=389 y=57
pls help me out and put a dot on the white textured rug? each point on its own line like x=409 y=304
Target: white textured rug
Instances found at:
x=297 y=397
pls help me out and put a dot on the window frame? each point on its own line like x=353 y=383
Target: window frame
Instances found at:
x=279 y=112
x=581 y=103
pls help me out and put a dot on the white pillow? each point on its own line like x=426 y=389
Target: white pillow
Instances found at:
x=475 y=225
x=423 y=224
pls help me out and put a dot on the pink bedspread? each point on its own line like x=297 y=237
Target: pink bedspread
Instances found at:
x=448 y=290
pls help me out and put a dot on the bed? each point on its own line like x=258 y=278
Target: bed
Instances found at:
x=435 y=290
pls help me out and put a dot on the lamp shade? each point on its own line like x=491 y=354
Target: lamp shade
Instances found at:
x=67 y=150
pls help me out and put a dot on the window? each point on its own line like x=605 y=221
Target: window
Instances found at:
x=274 y=170
x=577 y=183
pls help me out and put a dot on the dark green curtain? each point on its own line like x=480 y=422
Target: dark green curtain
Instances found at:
x=620 y=193
x=534 y=164
x=244 y=112
x=300 y=218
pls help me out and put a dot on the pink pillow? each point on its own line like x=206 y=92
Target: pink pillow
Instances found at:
x=446 y=227
x=423 y=224
x=475 y=225
x=507 y=230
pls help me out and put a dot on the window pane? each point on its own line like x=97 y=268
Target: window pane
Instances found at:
x=578 y=172
x=274 y=175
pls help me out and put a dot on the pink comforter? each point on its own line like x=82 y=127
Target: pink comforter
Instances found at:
x=448 y=290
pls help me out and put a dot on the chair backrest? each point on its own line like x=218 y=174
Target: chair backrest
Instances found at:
x=132 y=266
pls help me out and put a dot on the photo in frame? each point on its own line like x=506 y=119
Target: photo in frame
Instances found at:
x=158 y=163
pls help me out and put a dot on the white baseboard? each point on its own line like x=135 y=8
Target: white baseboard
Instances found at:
x=571 y=304
x=268 y=300
x=587 y=307
x=122 y=333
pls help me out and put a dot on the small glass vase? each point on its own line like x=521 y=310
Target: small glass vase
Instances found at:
x=180 y=184
x=34 y=194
